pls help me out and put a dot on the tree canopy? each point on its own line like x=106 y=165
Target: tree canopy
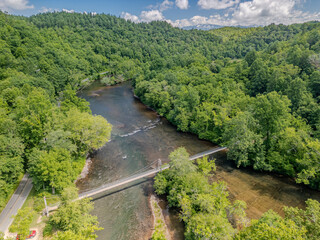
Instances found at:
x=255 y=90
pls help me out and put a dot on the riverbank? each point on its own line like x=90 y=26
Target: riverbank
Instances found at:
x=160 y=228
x=85 y=169
x=125 y=214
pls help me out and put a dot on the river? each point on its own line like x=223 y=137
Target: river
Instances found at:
x=140 y=137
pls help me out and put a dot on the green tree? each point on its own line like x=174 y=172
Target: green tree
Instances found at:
x=87 y=131
x=272 y=227
x=258 y=77
x=206 y=166
x=314 y=83
x=308 y=218
x=244 y=143
x=206 y=226
x=251 y=57
x=273 y=115
x=180 y=165
x=70 y=100
x=204 y=207
x=54 y=168
x=73 y=217
x=22 y=222
x=31 y=113
x=310 y=161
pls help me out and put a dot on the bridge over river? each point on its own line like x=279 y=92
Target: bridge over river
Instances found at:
x=135 y=177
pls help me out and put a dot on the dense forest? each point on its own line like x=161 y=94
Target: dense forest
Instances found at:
x=208 y=213
x=254 y=90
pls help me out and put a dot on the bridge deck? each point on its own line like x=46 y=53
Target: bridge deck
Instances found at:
x=136 y=177
x=141 y=175
x=211 y=151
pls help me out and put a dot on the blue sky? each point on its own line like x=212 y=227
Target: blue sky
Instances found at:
x=181 y=13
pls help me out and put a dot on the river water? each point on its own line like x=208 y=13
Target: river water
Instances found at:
x=139 y=138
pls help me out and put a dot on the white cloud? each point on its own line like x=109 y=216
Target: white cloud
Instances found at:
x=129 y=16
x=145 y=16
x=264 y=9
x=217 y=4
x=264 y=12
x=45 y=9
x=253 y=12
x=152 y=15
x=182 y=4
x=9 y=5
x=196 y=20
x=201 y=20
x=166 y=4
x=68 y=11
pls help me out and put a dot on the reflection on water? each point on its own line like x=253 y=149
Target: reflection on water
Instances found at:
x=139 y=136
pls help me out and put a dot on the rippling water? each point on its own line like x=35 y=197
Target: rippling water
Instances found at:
x=139 y=137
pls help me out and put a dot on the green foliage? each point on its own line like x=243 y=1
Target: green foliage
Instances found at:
x=308 y=219
x=256 y=90
x=206 y=210
x=40 y=71
x=245 y=144
x=206 y=166
x=205 y=207
x=251 y=57
x=74 y=218
x=54 y=168
x=48 y=230
x=216 y=106
x=87 y=131
x=38 y=204
x=160 y=226
x=70 y=235
x=206 y=226
x=69 y=100
x=258 y=77
x=272 y=226
x=158 y=236
x=22 y=222
x=315 y=83
x=180 y=165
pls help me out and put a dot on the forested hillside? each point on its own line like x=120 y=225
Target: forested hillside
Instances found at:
x=45 y=129
x=264 y=106
x=254 y=90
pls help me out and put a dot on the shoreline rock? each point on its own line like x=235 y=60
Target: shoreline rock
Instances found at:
x=158 y=218
x=85 y=169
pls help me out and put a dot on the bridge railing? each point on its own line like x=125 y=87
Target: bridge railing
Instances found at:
x=135 y=177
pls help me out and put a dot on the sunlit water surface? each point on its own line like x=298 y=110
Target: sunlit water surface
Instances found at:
x=139 y=137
